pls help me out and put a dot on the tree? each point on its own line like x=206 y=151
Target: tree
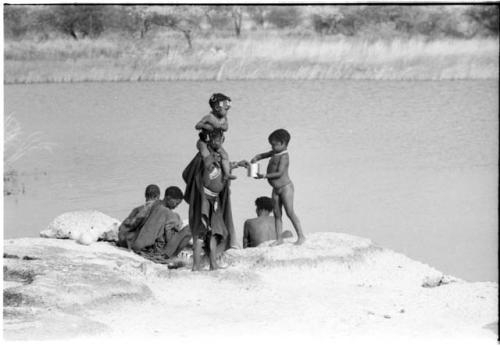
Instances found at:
x=324 y=19
x=486 y=17
x=80 y=20
x=257 y=14
x=284 y=16
x=124 y=18
x=217 y=16
x=184 y=19
x=237 y=15
x=14 y=18
x=220 y=17
x=139 y=19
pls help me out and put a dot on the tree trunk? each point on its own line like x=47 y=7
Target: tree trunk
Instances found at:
x=187 y=36
x=237 y=16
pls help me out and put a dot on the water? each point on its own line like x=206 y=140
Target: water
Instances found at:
x=410 y=165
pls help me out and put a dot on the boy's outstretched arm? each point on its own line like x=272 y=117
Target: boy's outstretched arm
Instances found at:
x=261 y=156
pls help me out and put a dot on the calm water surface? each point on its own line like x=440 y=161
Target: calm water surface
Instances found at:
x=410 y=165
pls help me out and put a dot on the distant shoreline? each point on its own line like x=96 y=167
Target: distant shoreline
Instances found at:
x=166 y=58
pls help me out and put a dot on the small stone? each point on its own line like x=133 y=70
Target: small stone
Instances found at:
x=402 y=311
x=387 y=316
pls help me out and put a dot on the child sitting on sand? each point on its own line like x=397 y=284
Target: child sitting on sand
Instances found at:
x=277 y=176
x=215 y=120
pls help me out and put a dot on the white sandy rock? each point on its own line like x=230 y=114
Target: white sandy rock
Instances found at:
x=334 y=286
x=86 y=227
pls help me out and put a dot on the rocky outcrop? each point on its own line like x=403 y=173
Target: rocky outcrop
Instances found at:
x=83 y=226
x=47 y=279
x=334 y=285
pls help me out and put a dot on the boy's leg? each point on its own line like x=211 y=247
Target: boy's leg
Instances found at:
x=177 y=242
x=196 y=253
x=202 y=148
x=226 y=165
x=286 y=196
x=278 y=223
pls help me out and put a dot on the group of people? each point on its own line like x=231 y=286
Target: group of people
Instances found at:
x=156 y=231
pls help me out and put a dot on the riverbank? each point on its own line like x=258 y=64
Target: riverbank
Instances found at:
x=334 y=287
x=164 y=56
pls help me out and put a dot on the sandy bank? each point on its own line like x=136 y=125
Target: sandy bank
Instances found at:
x=335 y=286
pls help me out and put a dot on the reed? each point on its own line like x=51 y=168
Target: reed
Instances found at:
x=165 y=57
x=17 y=144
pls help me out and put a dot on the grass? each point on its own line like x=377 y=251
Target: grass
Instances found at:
x=165 y=57
x=16 y=145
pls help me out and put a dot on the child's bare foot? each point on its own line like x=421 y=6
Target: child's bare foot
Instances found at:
x=277 y=242
x=300 y=241
x=217 y=267
x=231 y=177
x=196 y=268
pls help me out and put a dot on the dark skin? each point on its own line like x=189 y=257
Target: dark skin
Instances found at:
x=220 y=111
x=283 y=190
x=148 y=199
x=215 y=143
x=217 y=119
x=171 y=202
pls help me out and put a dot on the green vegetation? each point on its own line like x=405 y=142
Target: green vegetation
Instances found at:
x=68 y=43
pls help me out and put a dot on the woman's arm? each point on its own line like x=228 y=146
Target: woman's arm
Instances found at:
x=235 y=164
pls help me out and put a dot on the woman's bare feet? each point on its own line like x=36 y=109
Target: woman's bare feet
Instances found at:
x=277 y=242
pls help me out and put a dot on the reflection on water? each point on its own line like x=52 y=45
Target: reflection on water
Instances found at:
x=410 y=165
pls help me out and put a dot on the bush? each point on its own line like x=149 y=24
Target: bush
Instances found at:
x=284 y=17
x=80 y=21
x=15 y=20
x=487 y=18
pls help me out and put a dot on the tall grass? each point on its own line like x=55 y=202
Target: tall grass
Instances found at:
x=17 y=144
x=164 y=57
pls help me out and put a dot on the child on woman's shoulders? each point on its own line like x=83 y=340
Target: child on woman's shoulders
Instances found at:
x=215 y=120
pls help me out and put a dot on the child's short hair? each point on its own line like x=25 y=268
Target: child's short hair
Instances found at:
x=280 y=135
x=152 y=191
x=174 y=192
x=216 y=98
x=264 y=203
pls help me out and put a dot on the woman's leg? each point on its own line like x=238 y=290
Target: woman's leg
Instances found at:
x=196 y=253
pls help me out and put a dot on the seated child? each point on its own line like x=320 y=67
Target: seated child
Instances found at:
x=215 y=120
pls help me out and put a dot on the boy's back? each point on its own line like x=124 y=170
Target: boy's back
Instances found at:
x=258 y=230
